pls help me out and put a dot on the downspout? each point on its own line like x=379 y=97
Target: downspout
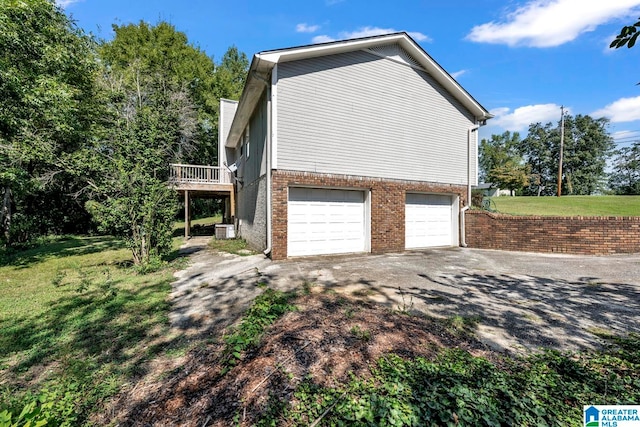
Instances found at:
x=463 y=239
x=269 y=225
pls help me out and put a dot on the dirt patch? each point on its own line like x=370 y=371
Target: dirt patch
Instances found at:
x=329 y=338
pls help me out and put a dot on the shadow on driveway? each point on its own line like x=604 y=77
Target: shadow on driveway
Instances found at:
x=518 y=301
x=564 y=306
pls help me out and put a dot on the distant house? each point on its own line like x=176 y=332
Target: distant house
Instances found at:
x=491 y=190
x=363 y=145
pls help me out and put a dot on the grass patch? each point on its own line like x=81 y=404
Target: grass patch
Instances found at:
x=569 y=205
x=77 y=321
x=462 y=325
x=266 y=309
x=202 y=222
x=457 y=388
x=233 y=246
x=361 y=334
x=199 y=227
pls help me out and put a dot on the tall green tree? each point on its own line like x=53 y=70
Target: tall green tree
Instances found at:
x=231 y=73
x=587 y=146
x=47 y=71
x=158 y=92
x=158 y=58
x=161 y=95
x=500 y=162
x=540 y=150
x=156 y=65
x=625 y=176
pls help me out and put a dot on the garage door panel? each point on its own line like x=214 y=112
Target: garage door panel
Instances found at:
x=323 y=221
x=428 y=220
x=319 y=197
x=428 y=199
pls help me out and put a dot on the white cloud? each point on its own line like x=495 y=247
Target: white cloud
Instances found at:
x=377 y=31
x=457 y=74
x=65 y=3
x=622 y=110
x=366 y=32
x=520 y=118
x=420 y=37
x=322 y=39
x=304 y=28
x=369 y=32
x=547 y=23
x=501 y=111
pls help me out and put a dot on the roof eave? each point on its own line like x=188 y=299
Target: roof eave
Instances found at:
x=255 y=84
x=444 y=78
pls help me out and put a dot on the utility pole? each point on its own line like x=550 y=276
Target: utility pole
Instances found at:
x=561 y=150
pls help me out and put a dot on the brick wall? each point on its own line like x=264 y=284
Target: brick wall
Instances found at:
x=573 y=235
x=252 y=213
x=387 y=205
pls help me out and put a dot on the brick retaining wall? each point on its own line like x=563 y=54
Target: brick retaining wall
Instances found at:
x=573 y=235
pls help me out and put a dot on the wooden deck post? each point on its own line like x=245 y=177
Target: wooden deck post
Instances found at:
x=232 y=196
x=187 y=220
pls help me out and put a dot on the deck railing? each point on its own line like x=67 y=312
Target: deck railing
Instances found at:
x=196 y=174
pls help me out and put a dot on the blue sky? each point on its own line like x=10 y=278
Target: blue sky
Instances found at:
x=521 y=59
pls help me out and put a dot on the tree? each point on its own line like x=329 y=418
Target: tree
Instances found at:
x=157 y=66
x=627 y=37
x=152 y=58
x=587 y=145
x=512 y=175
x=130 y=197
x=501 y=163
x=625 y=177
x=156 y=89
x=231 y=73
x=47 y=70
x=539 y=150
x=161 y=98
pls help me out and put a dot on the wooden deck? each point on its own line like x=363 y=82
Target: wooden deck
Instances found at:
x=200 y=178
x=203 y=182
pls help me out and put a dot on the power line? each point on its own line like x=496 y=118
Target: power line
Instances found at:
x=629 y=131
x=629 y=139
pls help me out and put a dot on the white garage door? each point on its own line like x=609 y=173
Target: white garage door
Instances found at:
x=428 y=221
x=322 y=221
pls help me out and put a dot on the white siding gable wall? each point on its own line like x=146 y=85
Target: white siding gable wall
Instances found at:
x=359 y=113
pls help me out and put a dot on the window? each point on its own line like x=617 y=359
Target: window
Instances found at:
x=247 y=141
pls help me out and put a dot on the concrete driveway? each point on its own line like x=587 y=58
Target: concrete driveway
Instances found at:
x=519 y=300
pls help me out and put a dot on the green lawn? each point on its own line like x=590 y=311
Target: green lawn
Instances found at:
x=76 y=323
x=569 y=205
x=205 y=222
x=199 y=227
